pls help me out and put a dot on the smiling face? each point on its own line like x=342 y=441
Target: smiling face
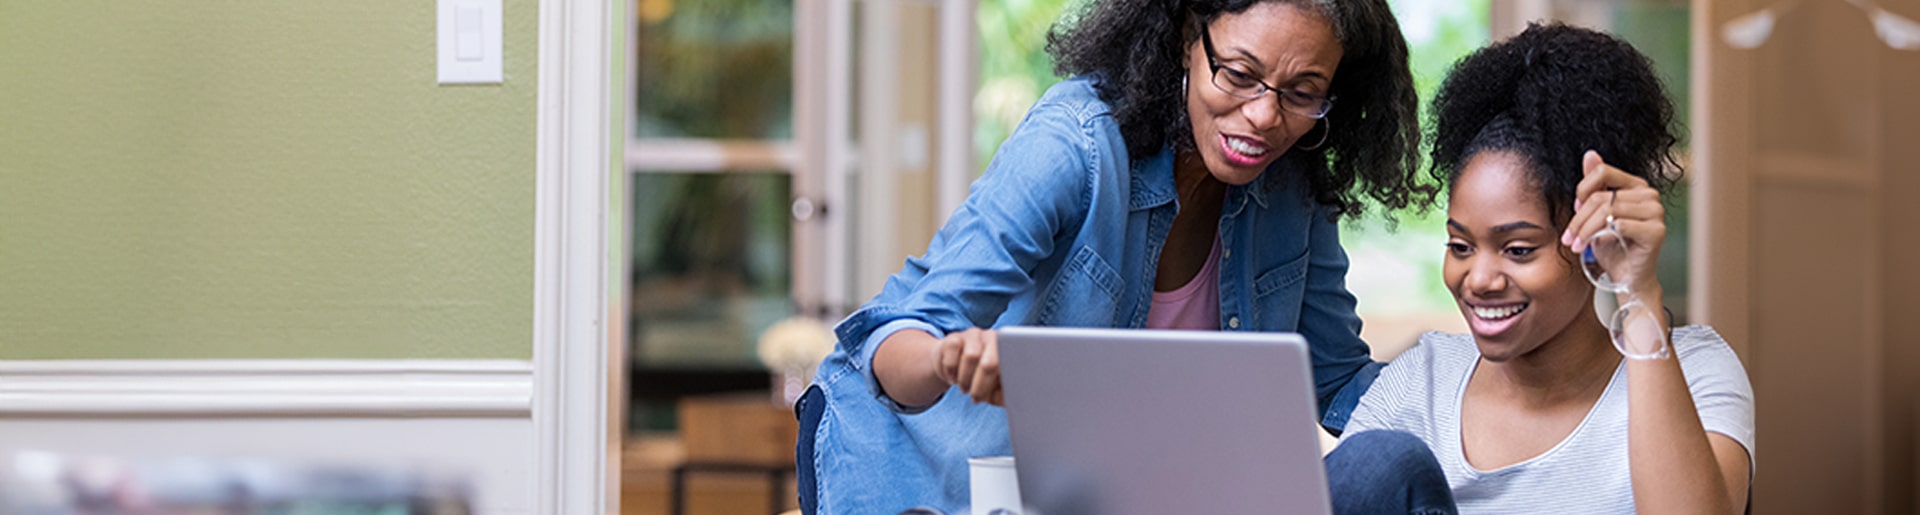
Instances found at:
x=1282 y=45
x=1515 y=284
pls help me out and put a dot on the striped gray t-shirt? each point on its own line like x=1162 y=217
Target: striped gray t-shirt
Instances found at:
x=1587 y=472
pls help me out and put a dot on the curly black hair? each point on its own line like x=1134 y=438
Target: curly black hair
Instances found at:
x=1549 y=95
x=1137 y=48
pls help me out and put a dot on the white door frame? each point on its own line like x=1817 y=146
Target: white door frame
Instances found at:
x=576 y=465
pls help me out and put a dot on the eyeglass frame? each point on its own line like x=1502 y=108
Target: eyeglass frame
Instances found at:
x=1213 y=63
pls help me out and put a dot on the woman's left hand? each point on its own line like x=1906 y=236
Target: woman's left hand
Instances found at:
x=1637 y=215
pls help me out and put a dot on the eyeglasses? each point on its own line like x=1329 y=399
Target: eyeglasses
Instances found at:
x=1246 y=87
x=1604 y=262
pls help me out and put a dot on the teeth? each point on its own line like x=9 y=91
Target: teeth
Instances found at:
x=1241 y=146
x=1499 y=313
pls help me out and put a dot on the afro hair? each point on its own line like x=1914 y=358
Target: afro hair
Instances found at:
x=1549 y=95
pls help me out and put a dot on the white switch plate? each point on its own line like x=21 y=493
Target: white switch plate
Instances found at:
x=469 y=41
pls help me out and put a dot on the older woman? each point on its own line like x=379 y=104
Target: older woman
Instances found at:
x=1188 y=176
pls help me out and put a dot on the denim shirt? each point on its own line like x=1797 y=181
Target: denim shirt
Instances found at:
x=1064 y=229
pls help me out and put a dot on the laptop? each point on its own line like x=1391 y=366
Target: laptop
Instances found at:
x=1115 y=421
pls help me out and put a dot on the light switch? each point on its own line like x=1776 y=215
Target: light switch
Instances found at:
x=466 y=33
x=469 y=41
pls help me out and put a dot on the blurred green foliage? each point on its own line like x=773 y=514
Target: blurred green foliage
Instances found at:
x=714 y=69
x=1014 y=67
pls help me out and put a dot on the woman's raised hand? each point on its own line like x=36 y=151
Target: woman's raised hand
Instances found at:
x=1611 y=196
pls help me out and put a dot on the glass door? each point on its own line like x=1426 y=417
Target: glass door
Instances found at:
x=712 y=183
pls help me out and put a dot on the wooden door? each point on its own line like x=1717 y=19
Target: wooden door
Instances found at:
x=1806 y=150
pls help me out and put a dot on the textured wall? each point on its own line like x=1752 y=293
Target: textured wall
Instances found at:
x=272 y=179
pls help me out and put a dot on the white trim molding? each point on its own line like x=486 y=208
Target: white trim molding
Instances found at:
x=266 y=388
x=710 y=156
x=576 y=470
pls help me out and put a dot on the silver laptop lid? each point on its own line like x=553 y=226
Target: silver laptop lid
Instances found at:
x=1108 y=421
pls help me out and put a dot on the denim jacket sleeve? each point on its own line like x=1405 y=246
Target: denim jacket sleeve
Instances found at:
x=1343 y=366
x=1034 y=191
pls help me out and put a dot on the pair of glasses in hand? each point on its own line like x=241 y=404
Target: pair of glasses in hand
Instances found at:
x=1637 y=331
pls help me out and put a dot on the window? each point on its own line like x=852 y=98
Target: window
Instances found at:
x=712 y=174
x=1396 y=271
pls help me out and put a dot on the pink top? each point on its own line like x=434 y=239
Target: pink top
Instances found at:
x=1194 y=306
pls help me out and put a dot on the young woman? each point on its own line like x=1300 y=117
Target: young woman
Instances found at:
x=1187 y=175
x=1556 y=146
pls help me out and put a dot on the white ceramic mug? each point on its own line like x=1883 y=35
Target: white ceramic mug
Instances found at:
x=994 y=485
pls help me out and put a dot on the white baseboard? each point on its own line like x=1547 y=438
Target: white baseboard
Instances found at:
x=471 y=418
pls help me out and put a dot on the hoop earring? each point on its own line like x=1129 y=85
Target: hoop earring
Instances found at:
x=1183 y=84
x=1323 y=136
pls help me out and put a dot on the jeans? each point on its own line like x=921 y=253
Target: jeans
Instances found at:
x=811 y=406
x=1387 y=472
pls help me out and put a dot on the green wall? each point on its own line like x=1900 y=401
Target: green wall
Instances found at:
x=269 y=179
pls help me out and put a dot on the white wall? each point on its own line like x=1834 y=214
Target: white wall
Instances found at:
x=461 y=419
